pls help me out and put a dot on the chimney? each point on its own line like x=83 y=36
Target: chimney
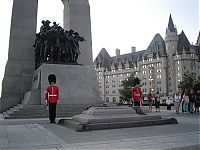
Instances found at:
x=133 y=49
x=117 y=52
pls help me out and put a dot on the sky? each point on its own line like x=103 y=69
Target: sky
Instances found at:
x=115 y=23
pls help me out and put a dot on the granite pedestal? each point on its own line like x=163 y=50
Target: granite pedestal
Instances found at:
x=77 y=85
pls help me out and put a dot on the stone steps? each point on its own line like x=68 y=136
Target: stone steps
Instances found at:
x=39 y=111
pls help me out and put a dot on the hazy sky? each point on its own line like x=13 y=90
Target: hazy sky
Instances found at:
x=116 y=23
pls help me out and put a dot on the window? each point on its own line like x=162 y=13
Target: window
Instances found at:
x=113 y=91
x=107 y=92
x=158 y=64
x=113 y=70
x=107 y=86
x=178 y=68
x=107 y=77
x=107 y=81
x=159 y=82
x=107 y=99
x=178 y=74
x=114 y=99
x=113 y=76
x=184 y=67
x=178 y=62
x=150 y=65
x=144 y=66
x=159 y=76
x=113 y=85
x=158 y=70
x=150 y=71
x=150 y=59
x=144 y=72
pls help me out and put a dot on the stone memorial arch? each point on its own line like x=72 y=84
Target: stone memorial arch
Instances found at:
x=19 y=69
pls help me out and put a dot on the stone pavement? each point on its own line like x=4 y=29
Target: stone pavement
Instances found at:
x=26 y=134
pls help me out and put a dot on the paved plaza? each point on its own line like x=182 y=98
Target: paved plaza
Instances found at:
x=29 y=134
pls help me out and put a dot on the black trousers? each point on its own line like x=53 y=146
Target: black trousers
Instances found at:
x=52 y=112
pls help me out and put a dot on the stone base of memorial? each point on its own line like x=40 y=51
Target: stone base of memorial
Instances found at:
x=77 y=84
x=101 y=118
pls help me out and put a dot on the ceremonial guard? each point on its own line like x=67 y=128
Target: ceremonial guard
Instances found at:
x=137 y=96
x=136 y=93
x=51 y=97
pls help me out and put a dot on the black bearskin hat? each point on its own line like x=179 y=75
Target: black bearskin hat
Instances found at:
x=136 y=81
x=52 y=78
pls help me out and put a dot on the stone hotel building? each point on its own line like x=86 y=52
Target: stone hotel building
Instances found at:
x=160 y=67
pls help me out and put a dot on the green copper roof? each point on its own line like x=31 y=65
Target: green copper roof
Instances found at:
x=157 y=45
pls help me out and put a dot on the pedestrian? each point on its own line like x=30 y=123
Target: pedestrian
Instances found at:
x=150 y=101
x=168 y=103
x=197 y=101
x=51 y=97
x=192 y=98
x=177 y=99
x=137 y=96
x=183 y=92
x=157 y=101
x=185 y=102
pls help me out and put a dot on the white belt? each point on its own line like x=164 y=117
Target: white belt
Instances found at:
x=52 y=95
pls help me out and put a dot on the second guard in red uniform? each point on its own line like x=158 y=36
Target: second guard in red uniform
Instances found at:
x=52 y=96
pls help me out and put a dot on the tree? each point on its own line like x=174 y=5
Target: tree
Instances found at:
x=125 y=92
x=187 y=81
x=196 y=84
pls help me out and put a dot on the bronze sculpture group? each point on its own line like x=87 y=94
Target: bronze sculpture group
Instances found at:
x=53 y=44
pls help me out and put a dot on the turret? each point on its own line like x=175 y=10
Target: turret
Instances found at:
x=171 y=38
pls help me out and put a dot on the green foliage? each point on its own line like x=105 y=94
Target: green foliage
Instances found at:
x=189 y=81
x=125 y=92
x=196 y=84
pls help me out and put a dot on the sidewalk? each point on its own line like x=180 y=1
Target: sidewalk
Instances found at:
x=26 y=134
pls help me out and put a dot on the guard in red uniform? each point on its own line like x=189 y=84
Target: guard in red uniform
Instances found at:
x=136 y=93
x=137 y=97
x=52 y=96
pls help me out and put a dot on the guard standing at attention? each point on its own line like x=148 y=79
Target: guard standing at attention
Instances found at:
x=137 y=96
x=51 y=97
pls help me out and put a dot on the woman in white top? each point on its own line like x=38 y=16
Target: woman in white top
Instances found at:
x=177 y=99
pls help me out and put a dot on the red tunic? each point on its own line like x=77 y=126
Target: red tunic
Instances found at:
x=137 y=94
x=52 y=94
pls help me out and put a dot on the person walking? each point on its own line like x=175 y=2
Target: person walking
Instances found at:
x=182 y=93
x=185 y=102
x=192 y=98
x=150 y=101
x=51 y=97
x=169 y=102
x=197 y=101
x=157 y=101
x=177 y=99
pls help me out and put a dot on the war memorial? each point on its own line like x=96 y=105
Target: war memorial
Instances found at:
x=31 y=59
x=67 y=53
x=26 y=73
